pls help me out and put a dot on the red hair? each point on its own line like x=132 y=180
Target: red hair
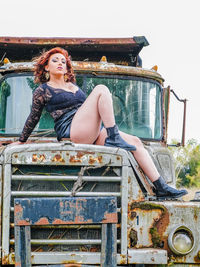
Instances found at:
x=42 y=61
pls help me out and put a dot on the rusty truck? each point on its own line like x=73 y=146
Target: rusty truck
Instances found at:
x=148 y=230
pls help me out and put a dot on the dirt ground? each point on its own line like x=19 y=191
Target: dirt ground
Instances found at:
x=191 y=193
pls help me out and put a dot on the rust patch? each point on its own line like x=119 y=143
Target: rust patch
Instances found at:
x=123 y=259
x=5 y=260
x=42 y=221
x=132 y=215
x=196 y=211
x=59 y=221
x=133 y=238
x=160 y=224
x=34 y=158
x=73 y=159
x=80 y=219
x=80 y=154
x=58 y=158
x=77 y=220
x=22 y=222
x=110 y=218
x=95 y=160
x=18 y=210
x=39 y=158
x=197 y=257
x=118 y=157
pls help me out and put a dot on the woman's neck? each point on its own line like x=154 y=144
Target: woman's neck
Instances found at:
x=57 y=82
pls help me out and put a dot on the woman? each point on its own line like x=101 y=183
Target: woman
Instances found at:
x=80 y=118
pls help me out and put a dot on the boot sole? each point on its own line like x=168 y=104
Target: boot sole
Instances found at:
x=108 y=145
x=171 y=197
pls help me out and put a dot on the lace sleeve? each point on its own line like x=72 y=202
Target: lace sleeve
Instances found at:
x=38 y=103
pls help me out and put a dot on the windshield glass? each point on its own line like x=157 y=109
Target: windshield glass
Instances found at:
x=137 y=104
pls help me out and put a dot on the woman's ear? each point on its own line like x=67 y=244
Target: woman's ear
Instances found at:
x=46 y=68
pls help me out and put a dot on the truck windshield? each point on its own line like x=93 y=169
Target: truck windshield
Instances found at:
x=137 y=104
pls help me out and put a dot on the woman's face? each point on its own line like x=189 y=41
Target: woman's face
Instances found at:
x=56 y=64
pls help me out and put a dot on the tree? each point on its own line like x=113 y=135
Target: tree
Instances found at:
x=187 y=164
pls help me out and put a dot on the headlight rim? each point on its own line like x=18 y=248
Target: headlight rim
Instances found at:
x=170 y=239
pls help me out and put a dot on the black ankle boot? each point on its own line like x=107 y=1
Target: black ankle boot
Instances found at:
x=115 y=140
x=164 y=191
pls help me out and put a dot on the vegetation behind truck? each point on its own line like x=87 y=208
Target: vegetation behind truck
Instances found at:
x=149 y=230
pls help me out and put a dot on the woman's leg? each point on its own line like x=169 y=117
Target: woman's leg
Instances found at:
x=86 y=123
x=144 y=160
x=141 y=155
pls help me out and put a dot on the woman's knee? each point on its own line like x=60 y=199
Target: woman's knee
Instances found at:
x=138 y=143
x=101 y=88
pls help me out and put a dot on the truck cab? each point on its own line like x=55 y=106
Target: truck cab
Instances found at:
x=147 y=228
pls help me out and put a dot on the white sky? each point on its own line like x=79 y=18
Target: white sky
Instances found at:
x=170 y=26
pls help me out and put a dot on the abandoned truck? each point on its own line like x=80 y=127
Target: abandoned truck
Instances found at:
x=148 y=230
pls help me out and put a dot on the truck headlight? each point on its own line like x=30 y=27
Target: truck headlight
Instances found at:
x=181 y=240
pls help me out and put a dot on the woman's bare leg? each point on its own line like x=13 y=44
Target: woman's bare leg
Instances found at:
x=141 y=155
x=86 y=123
x=85 y=127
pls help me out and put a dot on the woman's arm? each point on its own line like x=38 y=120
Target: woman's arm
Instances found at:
x=36 y=111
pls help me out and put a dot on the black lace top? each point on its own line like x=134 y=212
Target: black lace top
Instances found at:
x=56 y=101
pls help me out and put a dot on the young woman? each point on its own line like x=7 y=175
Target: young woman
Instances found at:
x=80 y=118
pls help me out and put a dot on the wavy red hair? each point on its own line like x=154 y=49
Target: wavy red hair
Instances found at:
x=42 y=61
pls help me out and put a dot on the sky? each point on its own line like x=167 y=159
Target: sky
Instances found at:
x=170 y=26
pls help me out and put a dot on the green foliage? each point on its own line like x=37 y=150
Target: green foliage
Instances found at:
x=187 y=164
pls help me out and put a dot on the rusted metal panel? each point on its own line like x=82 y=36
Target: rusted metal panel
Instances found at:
x=109 y=242
x=150 y=224
x=64 y=153
x=116 y=49
x=92 y=67
x=140 y=174
x=65 y=211
x=8 y=210
x=147 y=256
x=65 y=41
x=76 y=210
x=67 y=258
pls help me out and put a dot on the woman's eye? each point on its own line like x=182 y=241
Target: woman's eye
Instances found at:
x=54 y=60
x=63 y=62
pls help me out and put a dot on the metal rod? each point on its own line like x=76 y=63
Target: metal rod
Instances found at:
x=66 y=178
x=73 y=226
x=184 y=117
x=184 y=123
x=62 y=194
x=64 y=242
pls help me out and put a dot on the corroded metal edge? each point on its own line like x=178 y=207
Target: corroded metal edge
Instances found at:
x=92 y=67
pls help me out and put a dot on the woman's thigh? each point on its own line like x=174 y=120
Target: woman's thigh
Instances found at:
x=86 y=123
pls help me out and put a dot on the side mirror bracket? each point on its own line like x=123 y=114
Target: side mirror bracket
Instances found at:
x=184 y=101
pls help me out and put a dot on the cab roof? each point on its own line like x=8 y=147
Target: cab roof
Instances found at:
x=123 y=51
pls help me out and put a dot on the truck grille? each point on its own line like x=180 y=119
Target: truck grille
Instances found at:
x=60 y=170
